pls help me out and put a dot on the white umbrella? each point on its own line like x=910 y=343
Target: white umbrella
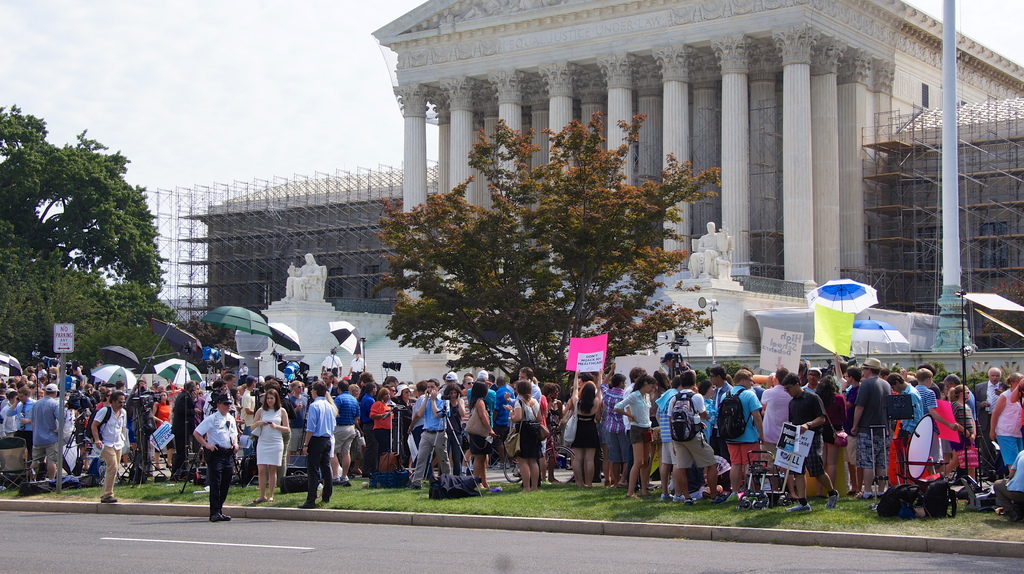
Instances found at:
x=169 y=368
x=114 y=373
x=877 y=332
x=347 y=336
x=844 y=295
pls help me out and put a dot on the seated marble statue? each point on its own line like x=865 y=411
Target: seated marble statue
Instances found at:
x=712 y=255
x=306 y=283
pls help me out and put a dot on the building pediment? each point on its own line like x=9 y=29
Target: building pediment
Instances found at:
x=441 y=14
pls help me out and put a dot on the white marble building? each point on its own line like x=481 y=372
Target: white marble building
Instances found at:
x=826 y=66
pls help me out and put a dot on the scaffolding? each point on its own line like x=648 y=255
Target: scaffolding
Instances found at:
x=903 y=201
x=706 y=151
x=766 y=244
x=232 y=244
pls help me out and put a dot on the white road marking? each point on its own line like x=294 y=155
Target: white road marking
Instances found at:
x=201 y=543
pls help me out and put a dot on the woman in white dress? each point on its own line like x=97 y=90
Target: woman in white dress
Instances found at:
x=271 y=419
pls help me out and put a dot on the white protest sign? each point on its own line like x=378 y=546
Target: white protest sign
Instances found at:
x=794 y=446
x=162 y=436
x=63 y=338
x=586 y=362
x=780 y=349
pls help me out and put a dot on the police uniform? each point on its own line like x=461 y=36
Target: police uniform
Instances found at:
x=222 y=432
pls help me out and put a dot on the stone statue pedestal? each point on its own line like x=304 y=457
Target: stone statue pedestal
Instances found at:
x=311 y=320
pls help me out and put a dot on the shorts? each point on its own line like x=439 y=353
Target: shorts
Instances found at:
x=343 y=437
x=814 y=465
x=868 y=446
x=667 y=456
x=639 y=435
x=850 y=450
x=618 y=448
x=49 y=451
x=478 y=445
x=502 y=433
x=738 y=451
x=696 y=450
x=295 y=442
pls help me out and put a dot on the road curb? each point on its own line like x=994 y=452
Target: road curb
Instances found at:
x=989 y=548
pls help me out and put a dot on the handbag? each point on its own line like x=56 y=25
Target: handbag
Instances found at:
x=476 y=425
x=569 y=435
x=842 y=439
x=388 y=462
x=512 y=442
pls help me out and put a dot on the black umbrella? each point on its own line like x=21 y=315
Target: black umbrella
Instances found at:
x=285 y=336
x=181 y=341
x=119 y=356
x=347 y=336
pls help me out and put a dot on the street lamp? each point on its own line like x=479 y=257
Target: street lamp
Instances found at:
x=711 y=305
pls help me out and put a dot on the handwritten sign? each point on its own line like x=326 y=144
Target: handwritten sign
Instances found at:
x=794 y=446
x=780 y=349
x=587 y=354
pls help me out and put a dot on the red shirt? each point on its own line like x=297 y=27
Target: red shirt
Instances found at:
x=380 y=408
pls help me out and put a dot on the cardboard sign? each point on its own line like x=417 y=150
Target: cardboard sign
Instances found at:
x=945 y=409
x=587 y=354
x=162 y=436
x=794 y=446
x=780 y=349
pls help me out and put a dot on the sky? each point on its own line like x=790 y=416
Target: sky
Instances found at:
x=196 y=92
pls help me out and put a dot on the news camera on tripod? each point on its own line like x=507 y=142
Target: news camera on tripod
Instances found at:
x=673 y=362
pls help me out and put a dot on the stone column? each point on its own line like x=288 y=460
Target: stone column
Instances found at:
x=825 y=166
x=593 y=92
x=444 y=141
x=460 y=98
x=706 y=126
x=618 y=72
x=765 y=156
x=510 y=97
x=884 y=71
x=732 y=56
x=854 y=77
x=537 y=98
x=559 y=80
x=798 y=209
x=649 y=104
x=674 y=64
x=414 y=183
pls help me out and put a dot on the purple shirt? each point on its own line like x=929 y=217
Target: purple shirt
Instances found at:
x=851 y=404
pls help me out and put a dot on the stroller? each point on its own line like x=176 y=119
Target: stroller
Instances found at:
x=765 y=484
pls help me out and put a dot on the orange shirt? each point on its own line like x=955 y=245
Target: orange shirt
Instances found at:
x=380 y=408
x=163 y=412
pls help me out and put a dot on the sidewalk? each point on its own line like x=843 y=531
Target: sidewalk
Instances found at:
x=996 y=549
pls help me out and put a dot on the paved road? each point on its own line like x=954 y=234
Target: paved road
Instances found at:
x=89 y=543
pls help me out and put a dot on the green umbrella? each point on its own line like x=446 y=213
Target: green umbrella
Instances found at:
x=238 y=318
x=169 y=369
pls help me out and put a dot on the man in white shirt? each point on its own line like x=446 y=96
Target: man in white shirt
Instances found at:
x=218 y=434
x=331 y=363
x=357 y=368
x=108 y=436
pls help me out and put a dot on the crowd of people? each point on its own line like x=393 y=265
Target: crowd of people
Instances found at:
x=702 y=432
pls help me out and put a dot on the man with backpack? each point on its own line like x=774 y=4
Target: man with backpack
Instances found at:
x=739 y=423
x=107 y=427
x=808 y=412
x=686 y=412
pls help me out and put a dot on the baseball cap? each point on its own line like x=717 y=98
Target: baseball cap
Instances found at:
x=451 y=376
x=482 y=376
x=52 y=388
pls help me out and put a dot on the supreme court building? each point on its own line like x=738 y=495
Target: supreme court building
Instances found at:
x=785 y=95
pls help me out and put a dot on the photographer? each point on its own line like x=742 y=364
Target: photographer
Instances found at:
x=108 y=438
x=218 y=433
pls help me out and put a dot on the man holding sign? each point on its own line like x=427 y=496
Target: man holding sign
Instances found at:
x=808 y=412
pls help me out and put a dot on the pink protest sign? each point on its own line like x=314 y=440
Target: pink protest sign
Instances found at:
x=587 y=354
x=945 y=409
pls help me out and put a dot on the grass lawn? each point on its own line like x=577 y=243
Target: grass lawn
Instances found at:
x=565 y=501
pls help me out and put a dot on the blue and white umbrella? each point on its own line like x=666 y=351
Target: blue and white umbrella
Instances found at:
x=844 y=295
x=877 y=332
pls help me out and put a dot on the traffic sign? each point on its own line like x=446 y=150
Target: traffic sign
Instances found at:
x=63 y=338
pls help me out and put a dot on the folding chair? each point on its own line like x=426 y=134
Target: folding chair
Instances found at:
x=14 y=468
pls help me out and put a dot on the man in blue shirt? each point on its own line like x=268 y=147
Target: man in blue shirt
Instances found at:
x=44 y=431
x=503 y=399
x=740 y=447
x=319 y=427
x=433 y=441
x=345 y=431
x=1010 y=491
x=366 y=400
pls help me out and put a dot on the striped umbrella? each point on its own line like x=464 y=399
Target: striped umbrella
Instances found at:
x=844 y=295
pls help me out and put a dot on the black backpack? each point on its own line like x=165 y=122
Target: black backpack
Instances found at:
x=893 y=500
x=731 y=422
x=680 y=416
x=92 y=418
x=940 y=499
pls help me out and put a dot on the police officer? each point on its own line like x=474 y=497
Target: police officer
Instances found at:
x=218 y=433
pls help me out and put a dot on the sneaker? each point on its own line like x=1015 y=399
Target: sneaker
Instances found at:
x=345 y=482
x=109 y=500
x=833 y=500
x=721 y=498
x=866 y=496
x=667 y=498
x=688 y=502
x=336 y=482
x=799 y=508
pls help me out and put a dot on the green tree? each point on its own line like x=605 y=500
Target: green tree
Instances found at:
x=74 y=203
x=77 y=245
x=567 y=249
